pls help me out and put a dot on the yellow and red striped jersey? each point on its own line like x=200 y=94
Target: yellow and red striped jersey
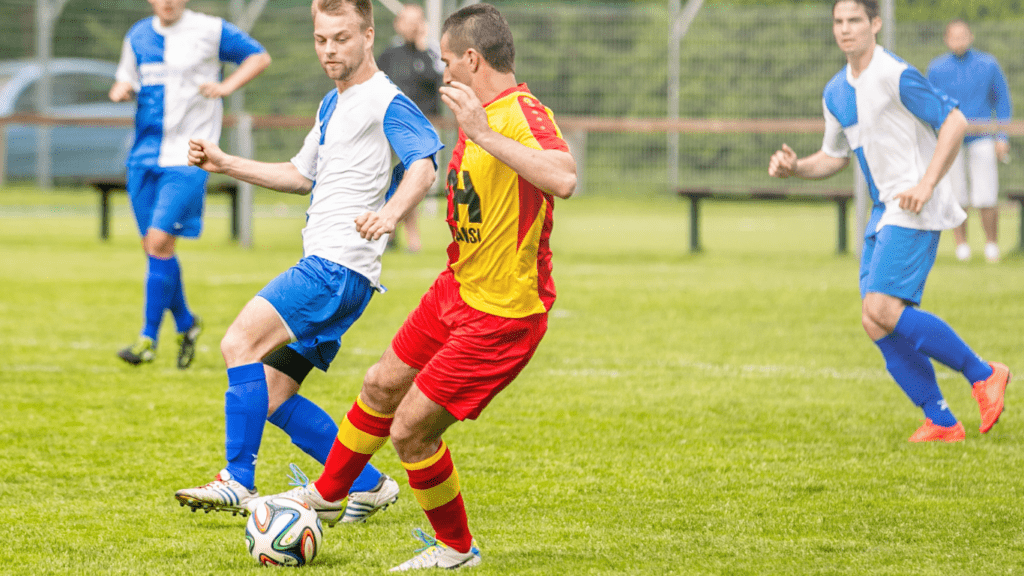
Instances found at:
x=500 y=222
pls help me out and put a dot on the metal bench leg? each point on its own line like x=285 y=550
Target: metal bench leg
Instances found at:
x=841 y=247
x=1020 y=241
x=695 y=225
x=104 y=214
x=234 y=214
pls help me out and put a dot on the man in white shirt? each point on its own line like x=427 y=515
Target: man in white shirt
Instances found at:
x=296 y=322
x=905 y=134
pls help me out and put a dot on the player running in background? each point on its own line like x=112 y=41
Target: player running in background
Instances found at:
x=975 y=80
x=481 y=321
x=345 y=162
x=904 y=133
x=172 y=61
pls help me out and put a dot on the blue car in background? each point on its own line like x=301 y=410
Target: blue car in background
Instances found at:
x=79 y=88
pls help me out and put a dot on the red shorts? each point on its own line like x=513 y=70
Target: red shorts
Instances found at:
x=465 y=357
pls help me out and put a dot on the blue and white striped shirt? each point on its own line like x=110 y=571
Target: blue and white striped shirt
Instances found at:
x=165 y=66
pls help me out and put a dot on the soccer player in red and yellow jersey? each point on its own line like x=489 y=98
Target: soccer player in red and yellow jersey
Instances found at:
x=479 y=324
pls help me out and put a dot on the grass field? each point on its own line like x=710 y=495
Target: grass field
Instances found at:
x=713 y=414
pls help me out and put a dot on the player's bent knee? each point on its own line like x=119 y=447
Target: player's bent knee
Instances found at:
x=233 y=346
x=379 y=385
x=880 y=314
x=411 y=444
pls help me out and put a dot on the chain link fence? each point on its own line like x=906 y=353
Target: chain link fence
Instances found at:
x=584 y=61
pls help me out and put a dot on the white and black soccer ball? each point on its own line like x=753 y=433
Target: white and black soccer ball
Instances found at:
x=283 y=531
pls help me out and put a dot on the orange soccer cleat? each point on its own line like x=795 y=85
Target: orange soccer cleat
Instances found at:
x=931 y=432
x=990 y=393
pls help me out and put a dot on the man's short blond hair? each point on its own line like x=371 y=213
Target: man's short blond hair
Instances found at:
x=362 y=7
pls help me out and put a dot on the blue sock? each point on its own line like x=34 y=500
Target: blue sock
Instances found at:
x=309 y=427
x=245 y=411
x=367 y=479
x=160 y=282
x=931 y=335
x=183 y=318
x=314 y=431
x=914 y=372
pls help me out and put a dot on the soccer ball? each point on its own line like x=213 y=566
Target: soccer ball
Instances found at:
x=283 y=532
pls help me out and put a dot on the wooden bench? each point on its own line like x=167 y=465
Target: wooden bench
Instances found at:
x=1018 y=197
x=108 y=187
x=841 y=198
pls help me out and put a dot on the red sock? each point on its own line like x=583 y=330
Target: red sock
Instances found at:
x=435 y=483
x=361 y=433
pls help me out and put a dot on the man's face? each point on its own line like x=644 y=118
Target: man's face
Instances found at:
x=456 y=66
x=168 y=11
x=341 y=44
x=959 y=38
x=854 y=31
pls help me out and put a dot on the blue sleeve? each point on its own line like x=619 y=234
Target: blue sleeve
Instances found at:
x=410 y=134
x=923 y=99
x=999 y=95
x=235 y=45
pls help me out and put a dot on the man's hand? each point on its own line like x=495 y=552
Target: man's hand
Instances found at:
x=121 y=92
x=914 y=199
x=372 y=225
x=1003 y=151
x=467 y=109
x=214 y=90
x=206 y=155
x=782 y=163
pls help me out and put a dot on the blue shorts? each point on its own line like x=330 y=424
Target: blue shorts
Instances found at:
x=168 y=198
x=897 y=260
x=318 y=300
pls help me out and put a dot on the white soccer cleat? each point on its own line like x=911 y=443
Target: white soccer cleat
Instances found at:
x=992 y=252
x=963 y=252
x=439 y=555
x=362 y=505
x=305 y=491
x=224 y=494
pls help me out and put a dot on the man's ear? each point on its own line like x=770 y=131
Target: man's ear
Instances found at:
x=475 y=59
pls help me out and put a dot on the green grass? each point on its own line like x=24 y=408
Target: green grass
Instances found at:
x=713 y=414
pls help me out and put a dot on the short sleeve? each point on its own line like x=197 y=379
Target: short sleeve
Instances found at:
x=235 y=45
x=540 y=125
x=923 y=99
x=834 y=142
x=127 y=67
x=305 y=160
x=410 y=134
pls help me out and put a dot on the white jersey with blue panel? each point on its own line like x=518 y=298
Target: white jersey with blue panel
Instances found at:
x=977 y=82
x=165 y=66
x=889 y=118
x=347 y=155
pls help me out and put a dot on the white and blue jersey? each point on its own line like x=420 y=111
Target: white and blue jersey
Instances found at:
x=347 y=155
x=977 y=82
x=889 y=117
x=165 y=66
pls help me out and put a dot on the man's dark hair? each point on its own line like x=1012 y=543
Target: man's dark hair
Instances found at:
x=362 y=7
x=483 y=28
x=870 y=7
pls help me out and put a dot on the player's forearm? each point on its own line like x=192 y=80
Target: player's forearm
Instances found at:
x=553 y=171
x=818 y=166
x=280 y=176
x=250 y=68
x=418 y=179
x=951 y=135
